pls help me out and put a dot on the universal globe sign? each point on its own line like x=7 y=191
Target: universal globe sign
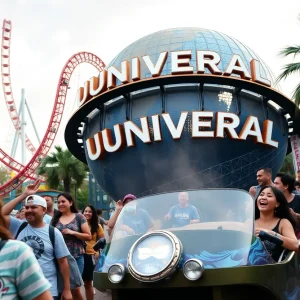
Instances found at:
x=181 y=108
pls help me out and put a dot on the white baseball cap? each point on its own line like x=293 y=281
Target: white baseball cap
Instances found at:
x=37 y=200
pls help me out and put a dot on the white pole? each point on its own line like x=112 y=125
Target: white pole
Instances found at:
x=23 y=123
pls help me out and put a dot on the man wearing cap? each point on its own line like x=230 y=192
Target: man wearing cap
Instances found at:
x=134 y=220
x=36 y=235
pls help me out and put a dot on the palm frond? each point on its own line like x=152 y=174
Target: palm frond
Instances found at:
x=290 y=50
x=296 y=95
x=288 y=70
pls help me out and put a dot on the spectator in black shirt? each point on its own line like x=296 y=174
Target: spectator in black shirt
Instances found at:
x=297 y=187
x=286 y=184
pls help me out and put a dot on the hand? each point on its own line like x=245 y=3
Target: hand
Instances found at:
x=252 y=190
x=119 y=205
x=66 y=295
x=167 y=217
x=68 y=231
x=194 y=221
x=130 y=231
x=258 y=230
x=31 y=189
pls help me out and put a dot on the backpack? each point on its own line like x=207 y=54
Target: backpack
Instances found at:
x=75 y=276
x=51 y=234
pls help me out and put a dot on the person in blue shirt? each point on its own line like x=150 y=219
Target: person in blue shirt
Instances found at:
x=135 y=220
x=182 y=214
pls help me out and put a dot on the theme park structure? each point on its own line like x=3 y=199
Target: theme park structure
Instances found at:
x=28 y=171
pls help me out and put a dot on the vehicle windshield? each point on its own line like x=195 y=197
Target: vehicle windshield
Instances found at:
x=215 y=226
x=187 y=210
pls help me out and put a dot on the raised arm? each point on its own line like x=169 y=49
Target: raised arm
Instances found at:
x=112 y=221
x=9 y=207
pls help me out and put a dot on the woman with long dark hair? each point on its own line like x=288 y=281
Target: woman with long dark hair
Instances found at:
x=91 y=256
x=19 y=269
x=273 y=216
x=75 y=230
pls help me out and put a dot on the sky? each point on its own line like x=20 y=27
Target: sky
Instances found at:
x=45 y=34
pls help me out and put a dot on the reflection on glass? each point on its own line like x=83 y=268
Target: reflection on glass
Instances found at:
x=187 y=210
x=225 y=97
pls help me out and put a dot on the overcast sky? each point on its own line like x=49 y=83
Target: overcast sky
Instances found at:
x=45 y=33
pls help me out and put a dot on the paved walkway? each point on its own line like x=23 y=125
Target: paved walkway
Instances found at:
x=99 y=295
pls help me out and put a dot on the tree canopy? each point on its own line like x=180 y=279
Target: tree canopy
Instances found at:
x=62 y=166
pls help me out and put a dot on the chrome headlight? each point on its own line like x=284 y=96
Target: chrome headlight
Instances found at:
x=116 y=273
x=193 y=269
x=154 y=256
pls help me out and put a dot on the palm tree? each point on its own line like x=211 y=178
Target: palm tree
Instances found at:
x=62 y=166
x=291 y=68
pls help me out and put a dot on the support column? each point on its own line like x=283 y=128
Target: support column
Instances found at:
x=23 y=123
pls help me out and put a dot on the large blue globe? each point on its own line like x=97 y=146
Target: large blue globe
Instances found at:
x=189 y=38
x=186 y=163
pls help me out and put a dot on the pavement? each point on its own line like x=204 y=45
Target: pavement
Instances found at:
x=99 y=295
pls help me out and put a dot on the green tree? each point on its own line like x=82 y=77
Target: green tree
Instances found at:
x=62 y=166
x=4 y=175
x=81 y=195
x=292 y=68
x=287 y=166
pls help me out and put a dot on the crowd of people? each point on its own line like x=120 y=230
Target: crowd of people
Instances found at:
x=53 y=249
x=51 y=253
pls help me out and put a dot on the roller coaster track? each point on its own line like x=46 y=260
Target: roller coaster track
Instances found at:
x=28 y=171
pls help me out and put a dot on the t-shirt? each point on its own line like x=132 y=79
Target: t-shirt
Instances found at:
x=75 y=245
x=101 y=221
x=47 y=219
x=140 y=222
x=90 y=244
x=38 y=239
x=20 y=273
x=181 y=216
x=295 y=204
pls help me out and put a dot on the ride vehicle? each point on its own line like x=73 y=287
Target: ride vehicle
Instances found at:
x=217 y=257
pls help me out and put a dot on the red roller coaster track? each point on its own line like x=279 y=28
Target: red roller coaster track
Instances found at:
x=28 y=171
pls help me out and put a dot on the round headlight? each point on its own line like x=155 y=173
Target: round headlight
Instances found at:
x=154 y=256
x=193 y=269
x=116 y=273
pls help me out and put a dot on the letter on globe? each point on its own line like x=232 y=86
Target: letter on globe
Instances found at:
x=196 y=123
x=156 y=128
x=108 y=139
x=209 y=60
x=143 y=134
x=98 y=84
x=267 y=134
x=94 y=146
x=237 y=66
x=83 y=94
x=156 y=70
x=251 y=128
x=175 y=131
x=180 y=62
x=221 y=125
x=256 y=75
x=135 y=69
x=114 y=73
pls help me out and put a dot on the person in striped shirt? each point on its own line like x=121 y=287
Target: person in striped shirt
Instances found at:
x=21 y=276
